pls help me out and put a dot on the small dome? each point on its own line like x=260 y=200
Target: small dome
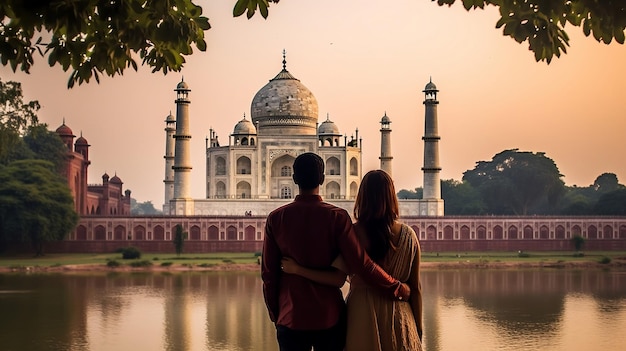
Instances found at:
x=116 y=180
x=105 y=177
x=64 y=130
x=244 y=126
x=385 y=119
x=182 y=86
x=82 y=141
x=430 y=86
x=328 y=127
x=170 y=118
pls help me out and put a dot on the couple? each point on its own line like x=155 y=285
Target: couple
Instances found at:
x=310 y=246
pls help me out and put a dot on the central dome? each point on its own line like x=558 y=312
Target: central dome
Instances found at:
x=284 y=106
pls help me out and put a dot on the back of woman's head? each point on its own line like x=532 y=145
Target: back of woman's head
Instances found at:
x=376 y=209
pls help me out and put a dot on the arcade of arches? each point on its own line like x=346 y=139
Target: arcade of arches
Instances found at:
x=239 y=234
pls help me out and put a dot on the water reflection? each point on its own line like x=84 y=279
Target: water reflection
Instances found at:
x=468 y=310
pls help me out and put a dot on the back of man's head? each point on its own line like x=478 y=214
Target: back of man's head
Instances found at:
x=308 y=171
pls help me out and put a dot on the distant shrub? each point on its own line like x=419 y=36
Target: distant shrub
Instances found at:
x=257 y=254
x=144 y=263
x=605 y=260
x=130 y=253
x=155 y=258
x=206 y=265
x=166 y=264
x=228 y=260
x=578 y=254
x=112 y=263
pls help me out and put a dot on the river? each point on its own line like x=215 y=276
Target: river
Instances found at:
x=465 y=309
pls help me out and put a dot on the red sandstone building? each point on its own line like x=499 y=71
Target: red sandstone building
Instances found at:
x=106 y=199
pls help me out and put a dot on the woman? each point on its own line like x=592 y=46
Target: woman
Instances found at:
x=375 y=322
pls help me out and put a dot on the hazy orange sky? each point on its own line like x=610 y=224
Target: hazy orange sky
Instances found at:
x=360 y=59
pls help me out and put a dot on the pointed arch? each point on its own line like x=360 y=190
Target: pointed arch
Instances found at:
x=194 y=233
x=214 y=233
x=448 y=232
x=159 y=232
x=119 y=233
x=498 y=232
x=333 y=166
x=100 y=233
x=333 y=191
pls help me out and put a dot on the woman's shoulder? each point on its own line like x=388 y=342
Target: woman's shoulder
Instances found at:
x=407 y=229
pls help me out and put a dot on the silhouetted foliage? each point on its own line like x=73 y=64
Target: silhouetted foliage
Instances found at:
x=460 y=198
x=143 y=208
x=541 y=23
x=515 y=181
x=94 y=37
x=15 y=116
x=179 y=239
x=35 y=204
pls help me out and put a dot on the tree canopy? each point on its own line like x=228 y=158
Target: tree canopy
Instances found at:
x=35 y=204
x=15 y=116
x=92 y=37
x=514 y=181
x=541 y=23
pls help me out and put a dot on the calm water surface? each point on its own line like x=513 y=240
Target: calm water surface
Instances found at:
x=463 y=310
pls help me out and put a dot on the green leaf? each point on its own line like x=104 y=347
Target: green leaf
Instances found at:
x=619 y=35
x=240 y=7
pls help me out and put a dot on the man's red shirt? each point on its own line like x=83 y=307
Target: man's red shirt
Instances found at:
x=313 y=233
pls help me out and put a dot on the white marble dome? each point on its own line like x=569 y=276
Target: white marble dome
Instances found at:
x=328 y=127
x=244 y=127
x=284 y=106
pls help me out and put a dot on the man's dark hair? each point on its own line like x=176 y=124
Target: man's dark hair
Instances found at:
x=308 y=171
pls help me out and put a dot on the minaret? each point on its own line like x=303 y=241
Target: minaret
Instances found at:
x=170 y=128
x=182 y=156
x=385 y=144
x=431 y=169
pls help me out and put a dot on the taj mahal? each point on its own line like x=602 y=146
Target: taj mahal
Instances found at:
x=251 y=174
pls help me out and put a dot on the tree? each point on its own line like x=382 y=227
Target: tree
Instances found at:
x=100 y=36
x=410 y=194
x=35 y=204
x=539 y=22
x=612 y=203
x=15 y=115
x=606 y=182
x=43 y=144
x=578 y=242
x=142 y=208
x=179 y=239
x=460 y=198
x=513 y=181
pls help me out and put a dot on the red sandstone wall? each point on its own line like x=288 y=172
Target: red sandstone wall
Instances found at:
x=437 y=234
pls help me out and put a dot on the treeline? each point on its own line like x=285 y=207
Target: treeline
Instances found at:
x=36 y=205
x=526 y=183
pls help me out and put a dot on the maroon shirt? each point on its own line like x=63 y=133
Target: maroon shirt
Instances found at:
x=313 y=233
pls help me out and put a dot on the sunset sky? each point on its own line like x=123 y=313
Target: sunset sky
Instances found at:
x=360 y=59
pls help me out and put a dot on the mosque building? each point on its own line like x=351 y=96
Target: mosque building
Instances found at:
x=252 y=173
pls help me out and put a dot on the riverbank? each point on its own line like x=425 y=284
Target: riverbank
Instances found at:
x=148 y=266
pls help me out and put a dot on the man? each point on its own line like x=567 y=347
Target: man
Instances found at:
x=313 y=233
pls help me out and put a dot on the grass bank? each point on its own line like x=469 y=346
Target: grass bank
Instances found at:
x=249 y=261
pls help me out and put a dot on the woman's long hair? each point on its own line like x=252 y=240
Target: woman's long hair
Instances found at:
x=376 y=209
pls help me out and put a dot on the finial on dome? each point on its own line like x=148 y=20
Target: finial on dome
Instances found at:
x=63 y=120
x=328 y=116
x=284 y=60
